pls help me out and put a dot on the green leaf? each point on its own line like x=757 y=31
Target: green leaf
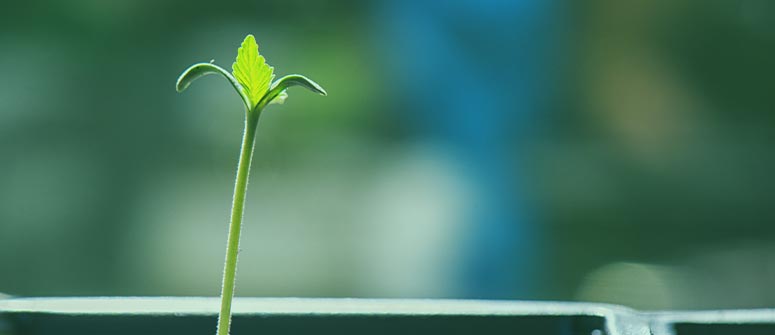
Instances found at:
x=279 y=87
x=251 y=71
x=202 y=69
x=298 y=80
x=280 y=99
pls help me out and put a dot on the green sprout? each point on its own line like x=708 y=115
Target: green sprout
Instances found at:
x=252 y=80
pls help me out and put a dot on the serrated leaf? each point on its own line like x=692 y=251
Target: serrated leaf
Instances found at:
x=202 y=69
x=251 y=71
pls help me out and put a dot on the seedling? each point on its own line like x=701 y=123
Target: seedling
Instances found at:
x=252 y=79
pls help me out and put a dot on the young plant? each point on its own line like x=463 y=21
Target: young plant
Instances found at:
x=252 y=79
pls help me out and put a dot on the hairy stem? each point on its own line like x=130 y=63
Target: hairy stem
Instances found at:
x=235 y=225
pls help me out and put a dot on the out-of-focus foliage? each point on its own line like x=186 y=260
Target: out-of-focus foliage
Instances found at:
x=634 y=145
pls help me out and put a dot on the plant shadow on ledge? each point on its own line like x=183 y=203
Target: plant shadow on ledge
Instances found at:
x=252 y=79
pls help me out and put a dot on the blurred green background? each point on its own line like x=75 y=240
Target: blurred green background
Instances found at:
x=638 y=169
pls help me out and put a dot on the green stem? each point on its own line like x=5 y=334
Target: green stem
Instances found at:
x=235 y=225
